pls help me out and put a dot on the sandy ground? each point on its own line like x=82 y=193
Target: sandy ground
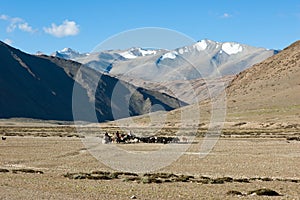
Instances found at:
x=250 y=158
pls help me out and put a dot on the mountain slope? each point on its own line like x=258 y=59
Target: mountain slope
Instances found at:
x=42 y=87
x=272 y=85
x=189 y=91
x=272 y=80
x=33 y=87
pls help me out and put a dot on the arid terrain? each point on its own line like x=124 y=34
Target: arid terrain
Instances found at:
x=56 y=165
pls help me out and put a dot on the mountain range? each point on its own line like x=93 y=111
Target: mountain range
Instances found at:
x=41 y=86
x=185 y=72
x=203 y=59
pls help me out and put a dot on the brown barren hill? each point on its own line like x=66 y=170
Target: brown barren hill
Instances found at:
x=269 y=90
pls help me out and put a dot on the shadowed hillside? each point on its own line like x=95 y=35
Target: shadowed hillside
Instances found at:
x=33 y=87
x=41 y=87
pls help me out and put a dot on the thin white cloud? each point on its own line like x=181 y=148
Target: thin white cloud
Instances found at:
x=8 y=41
x=11 y=27
x=226 y=15
x=67 y=28
x=25 y=27
x=13 y=23
x=3 y=17
x=16 y=23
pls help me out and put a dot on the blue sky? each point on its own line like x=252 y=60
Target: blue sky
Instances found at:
x=53 y=25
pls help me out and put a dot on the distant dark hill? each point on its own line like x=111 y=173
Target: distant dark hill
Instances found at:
x=33 y=87
x=41 y=87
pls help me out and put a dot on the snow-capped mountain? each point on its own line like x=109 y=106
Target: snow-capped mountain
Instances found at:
x=137 y=52
x=205 y=58
x=104 y=60
x=68 y=53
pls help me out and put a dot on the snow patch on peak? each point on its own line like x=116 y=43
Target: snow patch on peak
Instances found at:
x=145 y=52
x=231 y=48
x=170 y=55
x=128 y=55
x=67 y=53
x=67 y=50
x=200 y=46
x=137 y=52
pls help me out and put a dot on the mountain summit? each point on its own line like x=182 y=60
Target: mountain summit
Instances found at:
x=68 y=53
